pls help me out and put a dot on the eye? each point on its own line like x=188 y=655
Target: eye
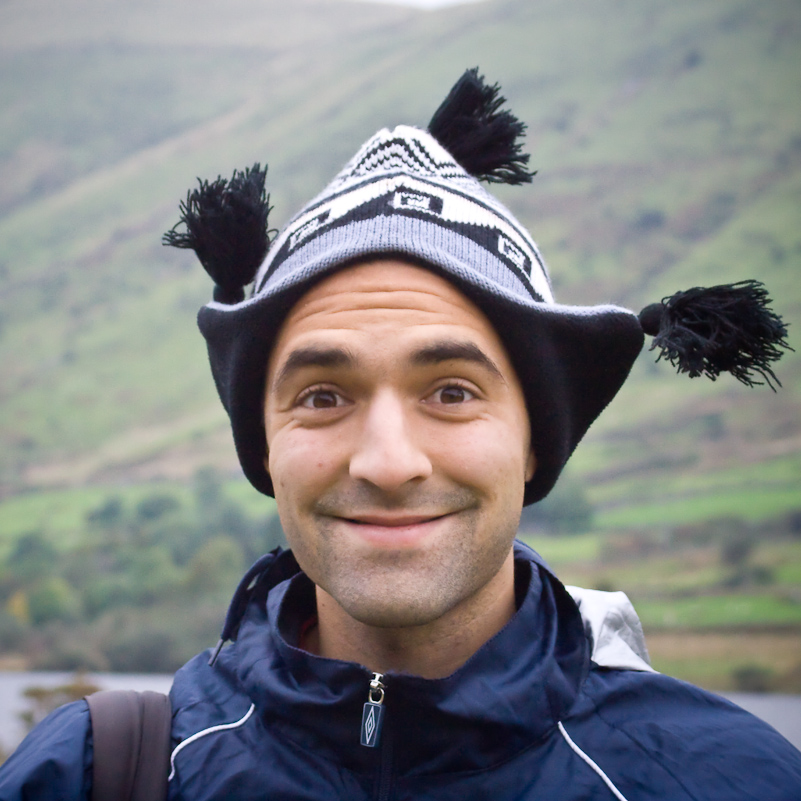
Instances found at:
x=451 y=394
x=321 y=399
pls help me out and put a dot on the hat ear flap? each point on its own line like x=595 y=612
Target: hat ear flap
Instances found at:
x=226 y=226
x=483 y=139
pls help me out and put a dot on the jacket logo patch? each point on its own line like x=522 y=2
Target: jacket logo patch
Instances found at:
x=372 y=716
x=369 y=724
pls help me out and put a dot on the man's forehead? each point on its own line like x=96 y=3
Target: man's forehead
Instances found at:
x=384 y=285
x=433 y=317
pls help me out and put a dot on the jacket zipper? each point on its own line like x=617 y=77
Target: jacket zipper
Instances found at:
x=372 y=725
x=385 y=769
x=373 y=713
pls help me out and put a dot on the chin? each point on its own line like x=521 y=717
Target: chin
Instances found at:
x=397 y=604
x=396 y=615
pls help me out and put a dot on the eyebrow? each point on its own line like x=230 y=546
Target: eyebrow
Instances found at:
x=452 y=350
x=312 y=357
x=432 y=354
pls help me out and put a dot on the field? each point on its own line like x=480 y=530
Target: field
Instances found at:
x=668 y=143
x=721 y=609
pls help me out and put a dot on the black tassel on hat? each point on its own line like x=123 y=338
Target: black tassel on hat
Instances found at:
x=226 y=226
x=727 y=328
x=481 y=138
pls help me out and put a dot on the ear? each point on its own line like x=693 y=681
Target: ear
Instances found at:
x=266 y=460
x=531 y=464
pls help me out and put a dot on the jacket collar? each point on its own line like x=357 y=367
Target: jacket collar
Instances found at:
x=510 y=694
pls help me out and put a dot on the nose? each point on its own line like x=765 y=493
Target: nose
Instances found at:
x=388 y=454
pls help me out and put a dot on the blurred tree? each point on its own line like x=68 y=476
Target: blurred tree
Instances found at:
x=155 y=506
x=218 y=565
x=566 y=510
x=105 y=592
x=12 y=631
x=143 y=651
x=273 y=533
x=734 y=552
x=181 y=537
x=207 y=487
x=152 y=575
x=106 y=515
x=53 y=598
x=33 y=557
x=752 y=679
x=18 y=607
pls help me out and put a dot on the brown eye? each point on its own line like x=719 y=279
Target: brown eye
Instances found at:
x=454 y=394
x=321 y=399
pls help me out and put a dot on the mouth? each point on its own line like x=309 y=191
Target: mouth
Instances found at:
x=388 y=530
x=393 y=521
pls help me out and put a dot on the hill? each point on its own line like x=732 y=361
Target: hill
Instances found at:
x=668 y=142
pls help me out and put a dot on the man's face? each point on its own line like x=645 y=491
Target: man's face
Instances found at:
x=398 y=442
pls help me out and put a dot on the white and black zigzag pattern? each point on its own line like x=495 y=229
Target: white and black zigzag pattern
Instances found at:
x=385 y=153
x=404 y=154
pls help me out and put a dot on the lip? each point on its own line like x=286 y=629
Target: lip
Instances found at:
x=393 y=531
x=392 y=521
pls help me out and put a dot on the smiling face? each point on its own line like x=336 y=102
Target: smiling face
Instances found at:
x=398 y=444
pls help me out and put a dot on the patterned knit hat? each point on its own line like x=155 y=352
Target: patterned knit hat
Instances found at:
x=416 y=195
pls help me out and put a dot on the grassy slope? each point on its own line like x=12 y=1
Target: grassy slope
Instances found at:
x=683 y=115
x=698 y=626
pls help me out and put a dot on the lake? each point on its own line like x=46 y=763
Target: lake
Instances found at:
x=13 y=683
x=783 y=712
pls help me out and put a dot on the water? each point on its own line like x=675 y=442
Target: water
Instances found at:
x=783 y=712
x=12 y=702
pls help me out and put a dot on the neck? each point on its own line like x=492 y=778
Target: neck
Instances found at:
x=433 y=650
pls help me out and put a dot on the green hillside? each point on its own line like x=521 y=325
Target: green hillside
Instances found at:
x=668 y=142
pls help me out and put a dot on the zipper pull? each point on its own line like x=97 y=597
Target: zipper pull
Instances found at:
x=373 y=713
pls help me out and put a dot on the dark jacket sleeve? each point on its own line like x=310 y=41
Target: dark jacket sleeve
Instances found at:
x=54 y=762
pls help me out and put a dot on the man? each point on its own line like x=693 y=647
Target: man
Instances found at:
x=402 y=382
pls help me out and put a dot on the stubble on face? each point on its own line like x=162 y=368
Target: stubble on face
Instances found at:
x=403 y=587
x=471 y=470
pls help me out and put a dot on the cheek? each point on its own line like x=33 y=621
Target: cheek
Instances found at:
x=300 y=461
x=484 y=454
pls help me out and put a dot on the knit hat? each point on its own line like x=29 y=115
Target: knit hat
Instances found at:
x=415 y=194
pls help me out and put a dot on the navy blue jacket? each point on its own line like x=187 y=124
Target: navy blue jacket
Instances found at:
x=530 y=716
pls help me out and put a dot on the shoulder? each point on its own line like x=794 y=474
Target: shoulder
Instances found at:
x=703 y=744
x=203 y=696
x=53 y=763
x=212 y=718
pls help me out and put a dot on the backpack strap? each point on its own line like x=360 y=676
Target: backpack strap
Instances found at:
x=131 y=734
